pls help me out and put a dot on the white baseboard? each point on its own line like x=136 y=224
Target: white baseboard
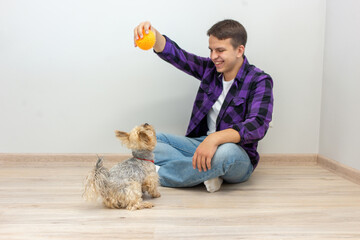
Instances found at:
x=340 y=169
x=274 y=159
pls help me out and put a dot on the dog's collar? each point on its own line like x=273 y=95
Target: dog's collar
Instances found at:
x=149 y=160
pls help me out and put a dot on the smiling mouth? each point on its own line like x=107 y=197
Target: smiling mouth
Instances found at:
x=218 y=64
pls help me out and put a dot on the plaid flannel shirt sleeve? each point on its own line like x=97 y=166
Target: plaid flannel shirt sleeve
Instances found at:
x=259 y=111
x=187 y=62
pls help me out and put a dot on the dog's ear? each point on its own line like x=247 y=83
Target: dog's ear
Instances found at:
x=144 y=137
x=122 y=135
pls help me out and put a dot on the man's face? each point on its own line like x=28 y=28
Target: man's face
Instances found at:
x=223 y=54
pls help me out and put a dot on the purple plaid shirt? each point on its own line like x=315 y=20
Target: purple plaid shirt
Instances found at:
x=247 y=107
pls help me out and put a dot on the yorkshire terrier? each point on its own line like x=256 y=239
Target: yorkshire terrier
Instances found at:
x=123 y=185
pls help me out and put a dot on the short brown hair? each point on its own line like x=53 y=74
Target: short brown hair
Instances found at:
x=229 y=28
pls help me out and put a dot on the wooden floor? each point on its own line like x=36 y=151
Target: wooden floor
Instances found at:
x=42 y=200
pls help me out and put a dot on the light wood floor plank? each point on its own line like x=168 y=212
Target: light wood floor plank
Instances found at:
x=42 y=200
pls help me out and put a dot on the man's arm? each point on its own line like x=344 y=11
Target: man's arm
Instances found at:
x=259 y=112
x=170 y=52
x=206 y=150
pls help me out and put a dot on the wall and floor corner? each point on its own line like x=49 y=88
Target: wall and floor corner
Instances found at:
x=69 y=75
x=340 y=111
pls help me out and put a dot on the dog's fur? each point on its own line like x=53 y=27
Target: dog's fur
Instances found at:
x=123 y=185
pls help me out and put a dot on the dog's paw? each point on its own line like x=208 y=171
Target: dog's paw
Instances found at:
x=156 y=195
x=147 y=205
x=139 y=206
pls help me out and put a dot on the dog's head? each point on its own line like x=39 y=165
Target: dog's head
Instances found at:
x=142 y=137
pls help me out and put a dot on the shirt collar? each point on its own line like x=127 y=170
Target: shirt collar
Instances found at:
x=241 y=72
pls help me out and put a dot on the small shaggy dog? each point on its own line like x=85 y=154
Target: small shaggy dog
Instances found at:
x=123 y=185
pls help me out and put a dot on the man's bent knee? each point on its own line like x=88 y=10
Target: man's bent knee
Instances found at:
x=161 y=137
x=229 y=154
x=230 y=151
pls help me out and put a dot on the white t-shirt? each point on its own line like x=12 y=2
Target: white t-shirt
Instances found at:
x=214 y=111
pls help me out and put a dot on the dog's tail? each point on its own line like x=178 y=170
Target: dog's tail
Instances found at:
x=97 y=182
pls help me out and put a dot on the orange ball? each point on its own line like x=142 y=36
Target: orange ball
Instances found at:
x=147 y=42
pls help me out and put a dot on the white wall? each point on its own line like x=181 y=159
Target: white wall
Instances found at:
x=340 y=128
x=69 y=74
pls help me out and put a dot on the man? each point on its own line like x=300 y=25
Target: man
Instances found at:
x=231 y=112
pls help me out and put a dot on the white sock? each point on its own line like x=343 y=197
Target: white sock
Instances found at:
x=214 y=184
x=157 y=168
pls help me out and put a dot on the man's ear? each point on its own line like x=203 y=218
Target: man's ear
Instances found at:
x=241 y=50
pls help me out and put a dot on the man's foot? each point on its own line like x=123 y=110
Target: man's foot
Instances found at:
x=157 y=168
x=214 y=184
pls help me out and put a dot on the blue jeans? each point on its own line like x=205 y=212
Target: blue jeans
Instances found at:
x=174 y=156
